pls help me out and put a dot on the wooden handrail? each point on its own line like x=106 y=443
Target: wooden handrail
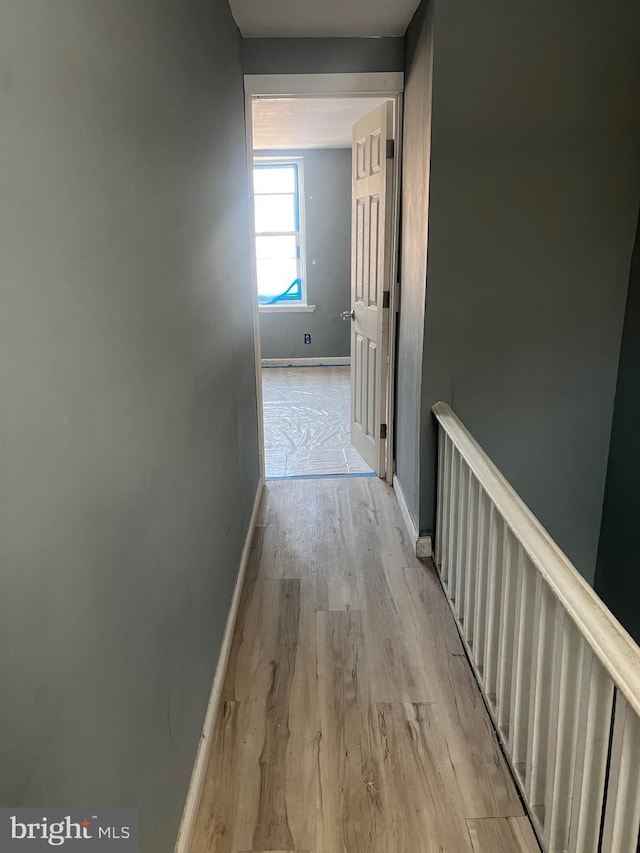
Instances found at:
x=609 y=641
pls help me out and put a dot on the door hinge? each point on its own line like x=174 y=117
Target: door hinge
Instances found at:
x=386 y=297
x=391 y=149
x=383 y=431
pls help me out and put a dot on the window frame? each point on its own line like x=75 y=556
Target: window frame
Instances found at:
x=287 y=303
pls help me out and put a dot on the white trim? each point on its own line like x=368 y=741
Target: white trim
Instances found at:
x=404 y=510
x=315 y=361
x=394 y=296
x=190 y=811
x=616 y=650
x=388 y=84
x=421 y=544
x=294 y=308
x=248 y=114
x=302 y=85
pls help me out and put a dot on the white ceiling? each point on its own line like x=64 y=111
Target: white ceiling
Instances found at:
x=290 y=18
x=307 y=122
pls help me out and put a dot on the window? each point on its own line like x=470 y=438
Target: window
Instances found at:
x=278 y=232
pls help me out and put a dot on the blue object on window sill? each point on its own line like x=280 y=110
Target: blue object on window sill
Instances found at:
x=288 y=294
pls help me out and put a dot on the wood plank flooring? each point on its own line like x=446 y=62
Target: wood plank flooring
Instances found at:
x=350 y=718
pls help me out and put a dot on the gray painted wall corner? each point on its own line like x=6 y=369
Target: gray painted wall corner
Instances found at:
x=617 y=577
x=413 y=254
x=532 y=209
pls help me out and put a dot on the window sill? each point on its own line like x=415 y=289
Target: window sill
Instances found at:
x=285 y=309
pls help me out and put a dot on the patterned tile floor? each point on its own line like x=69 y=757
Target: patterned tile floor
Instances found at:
x=306 y=422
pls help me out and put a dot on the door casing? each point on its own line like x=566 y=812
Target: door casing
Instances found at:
x=379 y=84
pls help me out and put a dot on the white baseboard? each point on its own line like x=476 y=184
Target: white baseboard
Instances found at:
x=190 y=811
x=307 y=362
x=421 y=544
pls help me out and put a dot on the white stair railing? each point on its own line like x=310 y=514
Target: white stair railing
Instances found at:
x=560 y=675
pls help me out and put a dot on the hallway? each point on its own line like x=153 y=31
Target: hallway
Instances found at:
x=350 y=718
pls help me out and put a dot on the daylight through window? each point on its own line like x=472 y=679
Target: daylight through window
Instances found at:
x=278 y=236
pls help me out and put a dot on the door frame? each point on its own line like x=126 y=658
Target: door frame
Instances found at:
x=378 y=84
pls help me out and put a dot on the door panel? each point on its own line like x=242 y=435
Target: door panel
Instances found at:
x=370 y=279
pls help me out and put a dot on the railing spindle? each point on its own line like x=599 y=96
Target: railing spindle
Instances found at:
x=522 y=660
x=494 y=595
x=622 y=814
x=511 y=554
x=594 y=725
x=541 y=677
x=442 y=438
x=470 y=570
x=453 y=525
x=451 y=532
x=561 y=753
x=453 y=528
x=446 y=509
x=482 y=571
x=461 y=537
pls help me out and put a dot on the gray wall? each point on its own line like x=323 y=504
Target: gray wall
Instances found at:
x=617 y=572
x=327 y=189
x=533 y=198
x=413 y=252
x=321 y=55
x=128 y=423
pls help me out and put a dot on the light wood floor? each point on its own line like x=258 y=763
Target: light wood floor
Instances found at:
x=350 y=718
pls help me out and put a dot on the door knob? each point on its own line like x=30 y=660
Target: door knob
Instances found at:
x=348 y=315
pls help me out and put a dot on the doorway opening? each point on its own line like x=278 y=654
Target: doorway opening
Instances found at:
x=302 y=166
x=306 y=422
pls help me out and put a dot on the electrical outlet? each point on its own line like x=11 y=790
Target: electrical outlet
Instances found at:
x=307 y=338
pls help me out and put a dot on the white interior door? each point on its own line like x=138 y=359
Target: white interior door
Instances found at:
x=371 y=222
